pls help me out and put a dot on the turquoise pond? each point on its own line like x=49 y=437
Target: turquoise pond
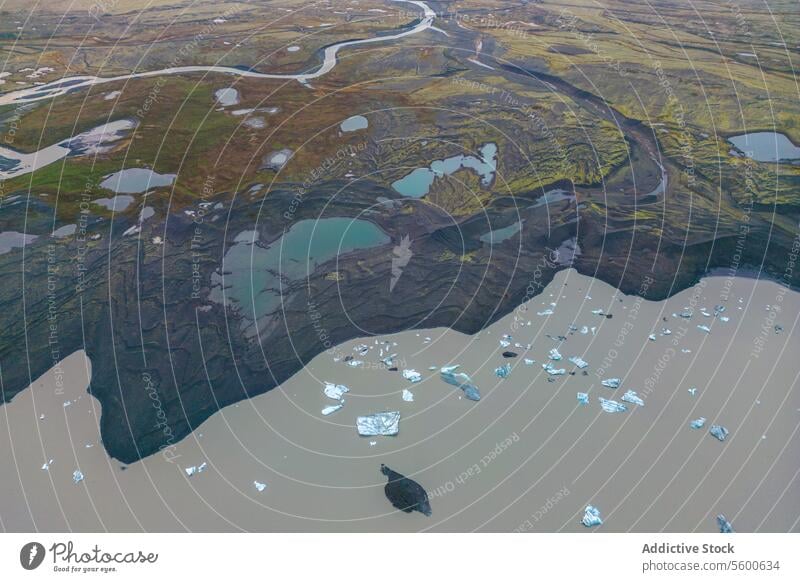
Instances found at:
x=253 y=274
x=766 y=146
x=354 y=123
x=499 y=235
x=136 y=180
x=418 y=183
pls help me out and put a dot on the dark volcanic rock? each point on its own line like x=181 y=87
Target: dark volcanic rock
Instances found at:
x=405 y=494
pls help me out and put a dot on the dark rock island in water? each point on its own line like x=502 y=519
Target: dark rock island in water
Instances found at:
x=405 y=494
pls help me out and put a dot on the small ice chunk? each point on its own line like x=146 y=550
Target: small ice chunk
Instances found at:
x=583 y=398
x=259 y=486
x=633 y=398
x=718 y=432
x=461 y=380
x=554 y=355
x=581 y=363
x=379 y=424
x=611 y=383
x=331 y=409
x=503 y=371
x=612 y=406
x=724 y=525
x=698 y=423
x=591 y=517
x=412 y=375
x=77 y=476
x=553 y=371
x=408 y=396
x=193 y=470
x=335 y=391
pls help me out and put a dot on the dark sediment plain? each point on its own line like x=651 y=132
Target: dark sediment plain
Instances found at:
x=177 y=328
x=526 y=457
x=156 y=330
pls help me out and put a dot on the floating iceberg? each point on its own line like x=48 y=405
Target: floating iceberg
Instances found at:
x=408 y=396
x=77 y=476
x=554 y=355
x=581 y=363
x=335 y=391
x=412 y=375
x=612 y=406
x=633 y=398
x=553 y=371
x=259 y=486
x=724 y=525
x=503 y=371
x=380 y=424
x=718 y=432
x=331 y=409
x=698 y=423
x=592 y=517
x=461 y=380
x=583 y=398
x=611 y=383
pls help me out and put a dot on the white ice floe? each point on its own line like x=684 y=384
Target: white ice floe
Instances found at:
x=698 y=423
x=408 y=396
x=591 y=517
x=718 y=432
x=633 y=398
x=581 y=363
x=412 y=376
x=335 y=391
x=328 y=410
x=379 y=424
x=612 y=406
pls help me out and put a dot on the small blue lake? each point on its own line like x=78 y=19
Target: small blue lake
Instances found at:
x=252 y=273
x=418 y=183
x=354 y=123
x=136 y=181
x=766 y=146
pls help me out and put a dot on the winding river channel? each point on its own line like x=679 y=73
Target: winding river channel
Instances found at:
x=67 y=84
